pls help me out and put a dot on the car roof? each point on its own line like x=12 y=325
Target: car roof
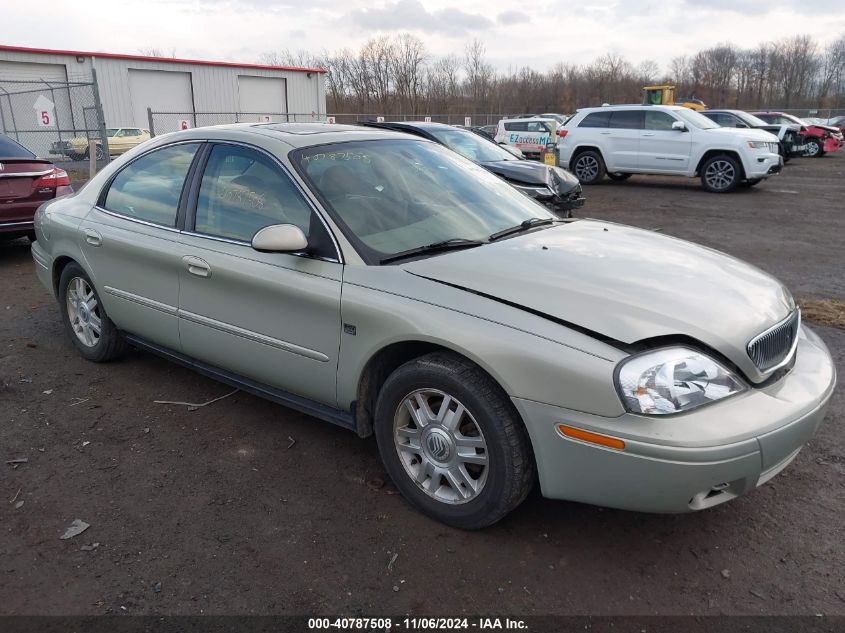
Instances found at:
x=297 y=134
x=423 y=125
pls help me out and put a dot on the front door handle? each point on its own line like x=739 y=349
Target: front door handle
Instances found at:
x=197 y=266
x=648 y=133
x=605 y=132
x=93 y=237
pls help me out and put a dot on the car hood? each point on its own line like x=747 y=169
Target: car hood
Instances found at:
x=532 y=173
x=743 y=133
x=829 y=128
x=622 y=283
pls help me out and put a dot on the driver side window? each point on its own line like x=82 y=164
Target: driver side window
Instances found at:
x=243 y=191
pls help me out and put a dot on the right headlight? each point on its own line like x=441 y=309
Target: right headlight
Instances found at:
x=673 y=380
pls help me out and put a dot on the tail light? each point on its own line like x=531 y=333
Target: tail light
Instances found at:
x=563 y=133
x=55 y=179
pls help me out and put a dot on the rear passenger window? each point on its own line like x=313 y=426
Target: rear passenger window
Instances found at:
x=656 y=120
x=596 y=119
x=517 y=127
x=627 y=119
x=243 y=191
x=149 y=188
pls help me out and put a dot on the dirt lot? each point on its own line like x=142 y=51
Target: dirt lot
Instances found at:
x=246 y=507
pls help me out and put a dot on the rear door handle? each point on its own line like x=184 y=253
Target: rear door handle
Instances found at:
x=197 y=266
x=93 y=238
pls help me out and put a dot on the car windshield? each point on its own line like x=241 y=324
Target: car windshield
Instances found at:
x=389 y=196
x=694 y=118
x=750 y=119
x=471 y=145
x=111 y=131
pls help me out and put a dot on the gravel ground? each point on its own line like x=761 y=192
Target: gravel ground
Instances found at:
x=246 y=507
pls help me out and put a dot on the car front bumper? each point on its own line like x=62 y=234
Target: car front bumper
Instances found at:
x=764 y=165
x=690 y=461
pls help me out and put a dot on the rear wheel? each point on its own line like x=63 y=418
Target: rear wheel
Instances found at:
x=815 y=148
x=86 y=322
x=589 y=167
x=721 y=174
x=618 y=176
x=452 y=442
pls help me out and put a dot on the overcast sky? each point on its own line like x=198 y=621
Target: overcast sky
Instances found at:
x=539 y=33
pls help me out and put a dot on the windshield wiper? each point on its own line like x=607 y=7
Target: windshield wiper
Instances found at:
x=445 y=245
x=525 y=225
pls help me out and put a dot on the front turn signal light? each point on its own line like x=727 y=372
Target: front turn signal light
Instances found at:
x=591 y=438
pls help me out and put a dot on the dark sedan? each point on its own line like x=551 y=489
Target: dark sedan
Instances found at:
x=26 y=182
x=554 y=187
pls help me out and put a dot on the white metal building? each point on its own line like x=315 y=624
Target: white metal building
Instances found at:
x=129 y=84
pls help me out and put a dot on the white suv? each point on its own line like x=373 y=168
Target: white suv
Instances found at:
x=669 y=140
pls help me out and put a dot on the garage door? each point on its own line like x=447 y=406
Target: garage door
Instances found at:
x=17 y=112
x=27 y=71
x=161 y=90
x=261 y=96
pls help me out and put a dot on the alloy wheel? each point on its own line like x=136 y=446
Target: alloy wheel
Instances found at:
x=441 y=446
x=720 y=174
x=83 y=312
x=812 y=149
x=586 y=168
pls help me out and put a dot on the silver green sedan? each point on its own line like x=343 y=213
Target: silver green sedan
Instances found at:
x=385 y=284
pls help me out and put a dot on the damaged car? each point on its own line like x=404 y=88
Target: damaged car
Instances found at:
x=388 y=285
x=553 y=187
x=791 y=141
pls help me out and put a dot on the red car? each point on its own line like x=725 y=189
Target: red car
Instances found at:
x=820 y=139
x=26 y=182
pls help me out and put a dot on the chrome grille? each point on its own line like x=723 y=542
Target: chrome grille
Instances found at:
x=774 y=347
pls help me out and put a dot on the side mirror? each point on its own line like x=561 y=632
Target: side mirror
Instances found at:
x=280 y=238
x=679 y=125
x=741 y=125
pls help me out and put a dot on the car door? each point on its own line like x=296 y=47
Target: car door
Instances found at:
x=662 y=148
x=131 y=243
x=273 y=318
x=624 y=132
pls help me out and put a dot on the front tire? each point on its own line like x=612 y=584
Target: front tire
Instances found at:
x=452 y=442
x=721 y=174
x=588 y=167
x=815 y=148
x=85 y=320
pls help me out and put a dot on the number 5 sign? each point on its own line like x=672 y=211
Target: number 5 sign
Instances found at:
x=44 y=112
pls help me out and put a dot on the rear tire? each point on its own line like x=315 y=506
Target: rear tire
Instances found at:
x=452 y=442
x=618 y=176
x=91 y=331
x=588 y=167
x=721 y=174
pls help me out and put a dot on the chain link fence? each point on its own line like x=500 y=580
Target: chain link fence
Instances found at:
x=164 y=122
x=53 y=119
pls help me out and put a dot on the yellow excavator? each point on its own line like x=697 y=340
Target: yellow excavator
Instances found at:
x=665 y=95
